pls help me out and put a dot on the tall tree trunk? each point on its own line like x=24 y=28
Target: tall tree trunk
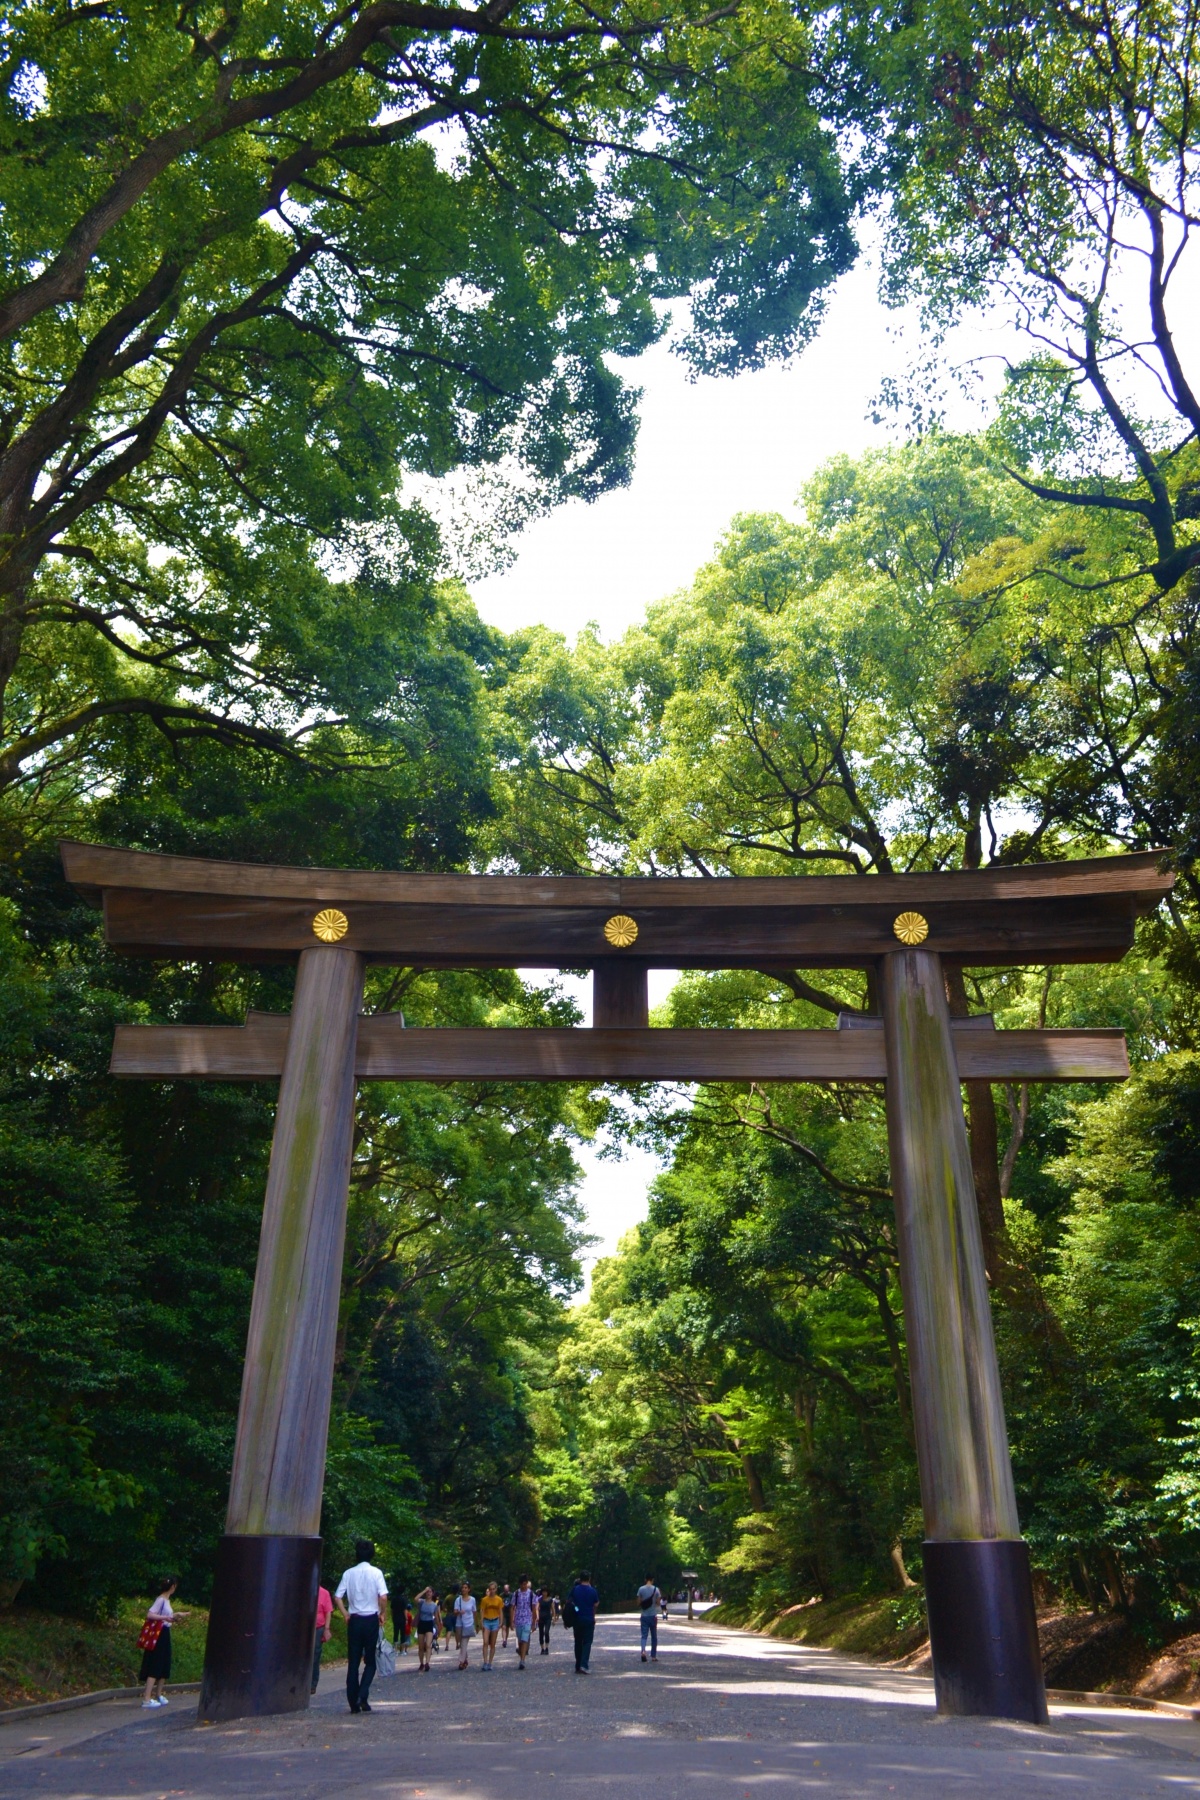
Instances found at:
x=758 y=1500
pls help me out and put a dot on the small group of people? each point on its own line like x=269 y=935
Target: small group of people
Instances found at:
x=519 y=1612
x=362 y=1600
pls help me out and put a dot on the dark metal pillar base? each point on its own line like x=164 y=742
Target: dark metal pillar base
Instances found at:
x=983 y=1629
x=259 y=1654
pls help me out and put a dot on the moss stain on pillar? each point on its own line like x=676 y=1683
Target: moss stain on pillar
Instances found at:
x=283 y=1421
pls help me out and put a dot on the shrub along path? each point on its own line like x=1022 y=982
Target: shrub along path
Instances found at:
x=723 y=1716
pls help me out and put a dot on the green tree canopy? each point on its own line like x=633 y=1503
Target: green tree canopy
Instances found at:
x=256 y=263
x=1046 y=161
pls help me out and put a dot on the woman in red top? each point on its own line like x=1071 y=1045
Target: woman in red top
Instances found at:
x=322 y=1633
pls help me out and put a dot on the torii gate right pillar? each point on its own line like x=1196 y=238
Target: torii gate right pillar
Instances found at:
x=982 y=1624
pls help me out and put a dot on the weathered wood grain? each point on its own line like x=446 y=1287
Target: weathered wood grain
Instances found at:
x=95 y=867
x=1079 y=929
x=958 y=1410
x=388 y=1052
x=283 y=1420
x=620 y=994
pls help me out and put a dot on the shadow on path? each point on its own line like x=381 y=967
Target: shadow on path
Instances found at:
x=721 y=1716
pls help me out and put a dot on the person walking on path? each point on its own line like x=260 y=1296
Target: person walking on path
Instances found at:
x=450 y=1621
x=649 y=1599
x=584 y=1601
x=400 y=1620
x=321 y=1632
x=545 y=1619
x=427 y=1624
x=507 y=1600
x=525 y=1616
x=464 y=1623
x=491 y=1612
x=365 y=1589
x=156 y=1659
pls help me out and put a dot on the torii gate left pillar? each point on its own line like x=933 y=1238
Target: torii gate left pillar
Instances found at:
x=260 y=1632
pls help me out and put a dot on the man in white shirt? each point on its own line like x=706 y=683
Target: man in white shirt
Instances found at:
x=364 y=1588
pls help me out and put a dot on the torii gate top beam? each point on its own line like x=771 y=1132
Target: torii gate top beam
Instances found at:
x=178 y=906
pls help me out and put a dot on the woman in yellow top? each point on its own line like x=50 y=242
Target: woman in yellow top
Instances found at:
x=491 y=1612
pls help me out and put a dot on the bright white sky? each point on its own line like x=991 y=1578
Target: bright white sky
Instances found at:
x=708 y=449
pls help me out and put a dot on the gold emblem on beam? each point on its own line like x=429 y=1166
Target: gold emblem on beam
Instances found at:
x=911 y=928
x=621 y=931
x=330 y=925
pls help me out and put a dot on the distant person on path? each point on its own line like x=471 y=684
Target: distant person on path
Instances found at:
x=400 y=1619
x=545 y=1619
x=365 y=1589
x=156 y=1661
x=464 y=1623
x=507 y=1599
x=525 y=1616
x=649 y=1599
x=427 y=1624
x=449 y=1620
x=491 y=1612
x=321 y=1632
x=584 y=1601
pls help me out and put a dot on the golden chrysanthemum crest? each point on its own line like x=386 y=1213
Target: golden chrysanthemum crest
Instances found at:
x=330 y=925
x=911 y=928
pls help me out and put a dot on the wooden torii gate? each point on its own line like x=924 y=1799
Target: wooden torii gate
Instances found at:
x=332 y=922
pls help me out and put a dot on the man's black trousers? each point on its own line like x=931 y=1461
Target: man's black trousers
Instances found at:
x=362 y=1637
x=585 y=1631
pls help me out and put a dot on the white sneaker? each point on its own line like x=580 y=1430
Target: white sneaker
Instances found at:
x=162 y=1699
x=149 y=1705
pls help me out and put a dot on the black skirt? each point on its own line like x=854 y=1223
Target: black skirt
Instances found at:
x=156 y=1663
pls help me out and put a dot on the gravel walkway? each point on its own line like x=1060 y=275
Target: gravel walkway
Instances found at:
x=722 y=1716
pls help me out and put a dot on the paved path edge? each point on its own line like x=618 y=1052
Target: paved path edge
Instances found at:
x=12 y=1714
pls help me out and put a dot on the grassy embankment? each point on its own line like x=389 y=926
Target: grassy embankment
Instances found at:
x=1093 y=1652
x=44 y=1656
x=881 y=1628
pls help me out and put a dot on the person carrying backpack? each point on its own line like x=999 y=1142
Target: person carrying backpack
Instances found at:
x=649 y=1599
x=525 y=1617
x=583 y=1601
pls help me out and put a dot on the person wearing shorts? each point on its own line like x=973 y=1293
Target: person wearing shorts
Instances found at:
x=507 y=1602
x=491 y=1614
x=545 y=1619
x=427 y=1624
x=464 y=1623
x=525 y=1617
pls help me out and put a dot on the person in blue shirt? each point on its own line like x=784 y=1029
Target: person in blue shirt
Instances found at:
x=585 y=1600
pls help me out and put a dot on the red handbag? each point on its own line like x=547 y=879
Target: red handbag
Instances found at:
x=150 y=1633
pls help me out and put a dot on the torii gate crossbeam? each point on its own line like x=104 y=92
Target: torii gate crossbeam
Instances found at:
x=333 y=922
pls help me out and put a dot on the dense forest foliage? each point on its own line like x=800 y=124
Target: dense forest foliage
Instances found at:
x=276 y=282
